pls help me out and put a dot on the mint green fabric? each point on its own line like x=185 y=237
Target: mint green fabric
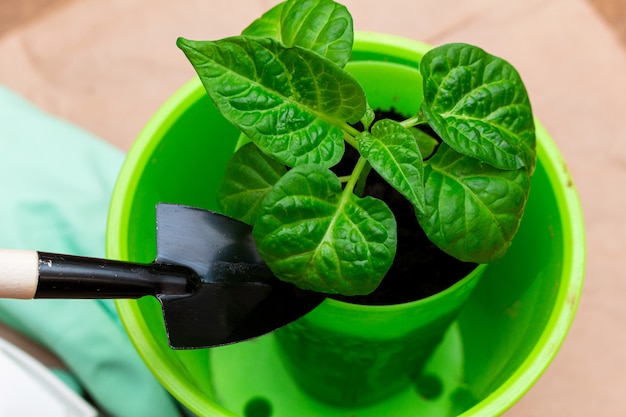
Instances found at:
x=55 y=185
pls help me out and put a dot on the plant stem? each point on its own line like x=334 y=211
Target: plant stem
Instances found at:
x=356 y=175
x=351 y=130
x=418 y=119
x=351 y=141
x=349 y=135
x=360 y=184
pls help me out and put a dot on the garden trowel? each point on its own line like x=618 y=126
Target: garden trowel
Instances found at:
x=213 y=287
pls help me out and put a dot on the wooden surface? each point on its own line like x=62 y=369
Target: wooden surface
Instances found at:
x=614 y=13
x=16 y=13
x=19 y=13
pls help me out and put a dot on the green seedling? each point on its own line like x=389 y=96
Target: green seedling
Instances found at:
x=283 y=83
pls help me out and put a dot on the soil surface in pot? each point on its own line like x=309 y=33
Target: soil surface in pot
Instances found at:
x=420 y=269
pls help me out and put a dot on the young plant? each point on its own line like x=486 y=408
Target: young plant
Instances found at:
x=283 y=84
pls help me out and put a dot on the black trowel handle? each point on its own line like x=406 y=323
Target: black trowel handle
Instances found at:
x=30 y=274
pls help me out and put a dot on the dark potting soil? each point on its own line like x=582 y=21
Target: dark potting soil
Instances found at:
x=420 y=268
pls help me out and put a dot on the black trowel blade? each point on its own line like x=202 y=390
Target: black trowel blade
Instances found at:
x=237 y=298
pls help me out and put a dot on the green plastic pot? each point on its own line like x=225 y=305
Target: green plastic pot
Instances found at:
x=351 y=355
x=505 y=336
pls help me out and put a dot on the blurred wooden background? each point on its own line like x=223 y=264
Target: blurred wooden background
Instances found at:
x=14 y=13
x=614 y=12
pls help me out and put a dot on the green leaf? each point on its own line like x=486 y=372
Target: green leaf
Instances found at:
x=477 y=104
x=322 y=26
x=267 y=25
x=368 y=117
x=291 y=102
x=392 y=151
x=426 y=143
x=472 y=210
x=249 y=176
x=313 y=235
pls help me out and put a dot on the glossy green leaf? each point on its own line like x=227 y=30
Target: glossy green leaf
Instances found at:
x=249 y=176
x=322 y=26
x=291 y=102
x=368 y=118
x=313 y=235
x=267 y=25
x=392 y=151
x=472 y=210
x=478 y=104
x=426 y=143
